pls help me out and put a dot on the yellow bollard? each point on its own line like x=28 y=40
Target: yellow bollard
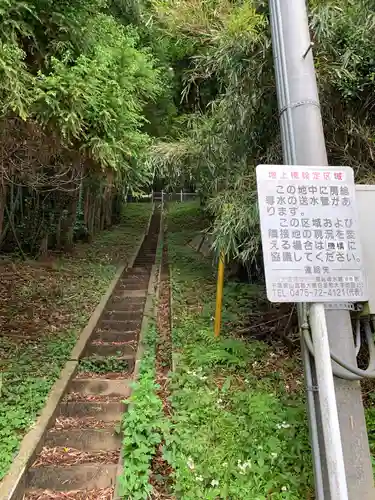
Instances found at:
x=219 y=294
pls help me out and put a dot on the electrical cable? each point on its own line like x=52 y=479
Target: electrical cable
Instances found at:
x=347 y=371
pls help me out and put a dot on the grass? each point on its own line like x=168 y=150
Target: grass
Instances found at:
x=238 y=427
x=43 y=307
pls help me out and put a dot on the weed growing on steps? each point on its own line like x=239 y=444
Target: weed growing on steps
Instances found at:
x=236 y=431
x=110 y=364
x=143 y=427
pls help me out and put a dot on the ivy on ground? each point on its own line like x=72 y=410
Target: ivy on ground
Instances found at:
x=143 y=427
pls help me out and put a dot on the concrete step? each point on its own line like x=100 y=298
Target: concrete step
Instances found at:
x=121 y=294
x=120 y=326
x=82 y=477
x=139 y=270
x=143 y=276
x=107 y=412
x=119 y=315
x=123 y=351
x=84 y=439
x=133 y=286
x=100 y=387
x=113 y=336
x=126 y=303
x=134 y=280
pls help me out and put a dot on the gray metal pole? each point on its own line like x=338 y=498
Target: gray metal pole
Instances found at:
x=303 y=144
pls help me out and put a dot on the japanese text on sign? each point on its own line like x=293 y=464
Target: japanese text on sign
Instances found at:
x=309 y=232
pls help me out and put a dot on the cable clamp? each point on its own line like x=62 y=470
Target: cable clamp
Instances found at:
x=312 y=388
x=298 y=104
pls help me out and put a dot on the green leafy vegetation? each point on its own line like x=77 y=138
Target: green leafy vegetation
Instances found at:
x=28 y=373
x=109 y=364
x=228 y=120
x=370 y=421
x=238 y=428
x=80 y=85
x=143 y=426
x=44 y=306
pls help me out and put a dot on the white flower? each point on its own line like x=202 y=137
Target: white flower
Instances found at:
x=214 y=483
x=190 y=463
x=284 y=488
x=244 y=466
x=199 y=478
x=273 y=456
x=284 y=425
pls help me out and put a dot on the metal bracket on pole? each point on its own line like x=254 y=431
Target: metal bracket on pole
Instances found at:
x=308 y=50
x=298 y=104
x=312 y=388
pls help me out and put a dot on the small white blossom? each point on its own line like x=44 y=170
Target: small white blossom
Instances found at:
x=273 y=456
x=190 y=463
x=284 y=425
x=199 y=478
x=214 y=483
x=197 y=374
x=284 y=488
x=243 y=466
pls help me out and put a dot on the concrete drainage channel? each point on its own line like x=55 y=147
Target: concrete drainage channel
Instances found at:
x=76 y=455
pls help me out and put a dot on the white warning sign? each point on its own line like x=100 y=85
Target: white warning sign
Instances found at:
x=310 y=237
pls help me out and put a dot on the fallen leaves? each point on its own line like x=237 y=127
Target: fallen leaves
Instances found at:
x=70 y=456
x=99 y=494
x=64 y=423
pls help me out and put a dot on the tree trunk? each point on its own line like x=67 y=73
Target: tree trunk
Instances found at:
x=72 y=221
x=3 y=196
x=58 y=233
x=97 y=214
x=43 y=246
x=90 y=216
x=102 y=209
x=108 y=208
x=86 y=212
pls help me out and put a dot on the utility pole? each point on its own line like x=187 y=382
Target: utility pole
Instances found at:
x=303 y=144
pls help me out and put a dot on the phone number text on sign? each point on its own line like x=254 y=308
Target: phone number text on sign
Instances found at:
x=309 y=234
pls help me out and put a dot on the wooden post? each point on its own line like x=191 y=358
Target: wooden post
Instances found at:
x=219 y=294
